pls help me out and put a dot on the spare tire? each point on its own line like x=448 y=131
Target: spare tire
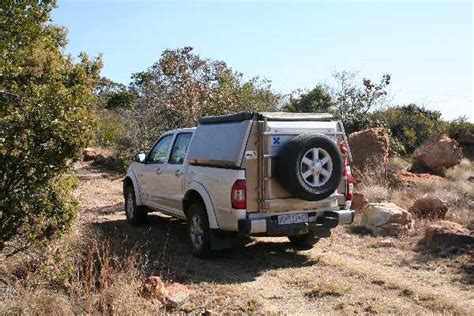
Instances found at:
x=310 y=167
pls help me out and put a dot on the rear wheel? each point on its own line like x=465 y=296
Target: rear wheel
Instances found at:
x=136 y=215
x=199 y=231
x=305 y=241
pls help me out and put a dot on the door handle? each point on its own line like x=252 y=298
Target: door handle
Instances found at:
x=179 y=172
x=158 y=171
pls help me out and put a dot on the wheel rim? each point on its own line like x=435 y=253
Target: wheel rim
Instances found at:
x=129 y=208
x=197 y=232
x=316 y=167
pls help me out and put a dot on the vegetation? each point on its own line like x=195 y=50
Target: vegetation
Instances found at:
x=45 y=119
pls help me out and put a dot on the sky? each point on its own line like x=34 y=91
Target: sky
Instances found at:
x=426 y=46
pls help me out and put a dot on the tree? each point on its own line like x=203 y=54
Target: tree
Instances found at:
x=112 y=95
x=316 y=100
x=45 y=119
x=182 y=87
x=410 y=125
x=354 y=103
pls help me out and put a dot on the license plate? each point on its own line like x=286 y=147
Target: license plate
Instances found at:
x=292 y=219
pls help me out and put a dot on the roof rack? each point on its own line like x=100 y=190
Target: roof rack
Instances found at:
x=270 y=116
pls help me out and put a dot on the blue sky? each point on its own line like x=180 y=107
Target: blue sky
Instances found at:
x=426 y=46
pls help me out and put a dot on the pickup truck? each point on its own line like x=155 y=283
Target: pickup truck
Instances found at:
x=253 y=174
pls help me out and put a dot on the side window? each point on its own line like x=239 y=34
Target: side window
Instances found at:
x=159 y=151
x=180 y=147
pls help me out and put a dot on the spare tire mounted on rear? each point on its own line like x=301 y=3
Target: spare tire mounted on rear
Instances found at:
x=310 y=166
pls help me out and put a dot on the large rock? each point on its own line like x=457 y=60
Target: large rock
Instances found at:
x=154 y=287
x=178 y=294
x=444 y=235
x=359 y=202
x=429 y=207
x=369 y=150
x=437 y=154
x=386 y=219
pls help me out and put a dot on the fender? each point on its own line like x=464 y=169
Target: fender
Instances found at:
x=211 y=215
x=138 y=198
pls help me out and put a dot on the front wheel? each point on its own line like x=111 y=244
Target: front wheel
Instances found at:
x=305 y=241
x=199 y=231
x=136 y=215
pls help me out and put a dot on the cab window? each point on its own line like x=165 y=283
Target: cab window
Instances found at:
x=180 y=147
x=159 y=151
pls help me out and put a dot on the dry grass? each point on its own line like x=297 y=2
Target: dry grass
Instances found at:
x=455 y=190
x=76 y=275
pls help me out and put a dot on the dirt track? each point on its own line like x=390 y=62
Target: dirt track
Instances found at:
x=347 y=273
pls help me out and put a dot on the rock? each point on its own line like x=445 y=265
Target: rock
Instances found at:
x=429 y=207
x=178 y=294
x=359 y=201
x=384 y=243
x=466 y=141
x=89 y=154
x=369 y=149
x=386 y=219
x=407 y=177
x=154 y=288
x=445 y=234
x=437 y=154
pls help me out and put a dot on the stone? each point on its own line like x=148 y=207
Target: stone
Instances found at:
x=154 y=288
x=429 y=207
x=177 y=294
x=359 y=201
x=437 y=154
x=443 y=235
x=386 y=219
x=369 y=149
x=89 y=154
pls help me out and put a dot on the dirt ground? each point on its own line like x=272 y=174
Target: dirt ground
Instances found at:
x=348 y=273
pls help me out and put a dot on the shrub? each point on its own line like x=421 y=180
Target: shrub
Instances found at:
x=410 y=125
x=45 y=119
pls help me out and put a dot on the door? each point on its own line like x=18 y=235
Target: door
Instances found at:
x=173 y=173
x=150 y=174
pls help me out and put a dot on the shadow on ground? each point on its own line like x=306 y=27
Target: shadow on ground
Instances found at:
x=163 y=242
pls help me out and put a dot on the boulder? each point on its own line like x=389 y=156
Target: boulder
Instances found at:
x=444 y=235
x=177 y=295
x=406 y=177
x=437 y=154
x=386 y=219
x=429 y=207
x=359 y=201
x=89 y=154
x=369 y=149
x=154 y=287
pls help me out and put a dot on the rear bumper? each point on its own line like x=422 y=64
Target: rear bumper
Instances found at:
x=321 y=225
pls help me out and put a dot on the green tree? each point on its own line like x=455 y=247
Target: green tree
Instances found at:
x=182 y=87
x=314 y=101
x=410 y=125
x=45 y=119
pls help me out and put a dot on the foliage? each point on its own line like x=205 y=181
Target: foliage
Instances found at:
x=182 y=87
x=314 y=101
x=459 y=127
x=352 y=99
x=410 y=125
x=112 y=95
x=109 y=128
x=45 y=119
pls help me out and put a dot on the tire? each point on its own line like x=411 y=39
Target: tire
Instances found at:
x=199 y=231
x=305 y=241
x=136 y=215
x=306 y=176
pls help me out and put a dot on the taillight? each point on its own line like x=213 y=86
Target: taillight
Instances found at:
x=347 y=172
x=238 y=195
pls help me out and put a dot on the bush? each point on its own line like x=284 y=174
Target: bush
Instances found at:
x=45 y=119
x=410 y=125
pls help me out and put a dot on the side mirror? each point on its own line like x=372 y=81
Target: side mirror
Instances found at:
x=140 y=157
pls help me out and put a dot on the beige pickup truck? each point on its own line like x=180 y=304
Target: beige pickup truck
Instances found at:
x=260 y=174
